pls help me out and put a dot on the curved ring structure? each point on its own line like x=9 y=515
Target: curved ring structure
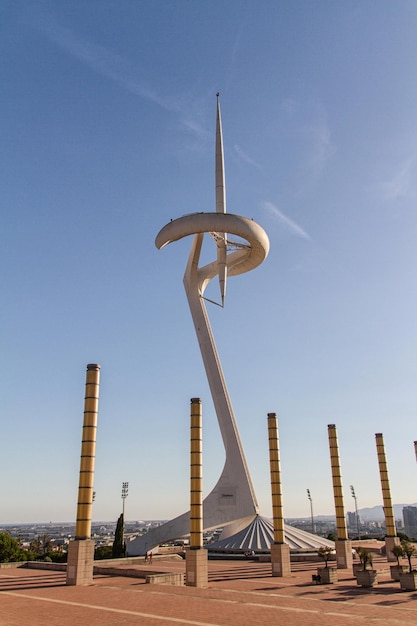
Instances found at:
x=199 y=223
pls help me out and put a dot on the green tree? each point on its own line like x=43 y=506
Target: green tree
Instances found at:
x=103 y=552
x=57 y=556
x=119 y=548
x=41 y=545
x=325 y=553
x=398 y=552
x=365 y=557
x=35 y=547
x=10 y=550
x=409 y=551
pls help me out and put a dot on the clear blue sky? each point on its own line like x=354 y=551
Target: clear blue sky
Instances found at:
x=107 y=131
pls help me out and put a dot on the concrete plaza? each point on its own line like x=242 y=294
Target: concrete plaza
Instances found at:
x=241 y=593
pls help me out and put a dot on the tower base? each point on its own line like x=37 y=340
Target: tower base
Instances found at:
x=280 y=559
x=343 y=553
x=80 y=562
x=196 y=567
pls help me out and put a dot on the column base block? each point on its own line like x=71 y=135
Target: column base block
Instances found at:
x=280 y=559
x=390 y=542
x=196 y=568
x=80 y=562
x=344 y=557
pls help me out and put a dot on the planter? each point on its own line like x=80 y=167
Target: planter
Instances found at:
x=328 y=575
x=408 y=581
x=367 y=578
x=396 y=570
x=357 y=567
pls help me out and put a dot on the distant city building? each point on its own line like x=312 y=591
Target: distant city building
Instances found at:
x=410 y=521
x=351 y=519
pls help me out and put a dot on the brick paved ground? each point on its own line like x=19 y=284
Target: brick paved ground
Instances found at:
x=239 y=594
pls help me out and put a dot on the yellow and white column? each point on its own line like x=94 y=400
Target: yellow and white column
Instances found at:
x=196 y=574
x=81 y=550
x=343 y=544
x=280 y=551
x=391 y=538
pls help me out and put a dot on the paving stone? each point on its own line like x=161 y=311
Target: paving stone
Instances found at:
x=239 y=594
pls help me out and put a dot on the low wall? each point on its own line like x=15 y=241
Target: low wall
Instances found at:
x=296 y=557
x=160 y=578
x=56 y=567
x=60 y=567
x=13 y=564
x=165 y=579
x=110 y=568
x=138 y=560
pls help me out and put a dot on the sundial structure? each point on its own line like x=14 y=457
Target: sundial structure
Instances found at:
x=241 y=245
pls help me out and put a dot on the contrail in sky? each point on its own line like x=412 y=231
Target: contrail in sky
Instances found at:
x=246 y=158
x=116 y=68
x=400 y=184
x=288 y=223
x=322 y=146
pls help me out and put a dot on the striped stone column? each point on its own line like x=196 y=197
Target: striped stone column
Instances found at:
x=337 y=483
x=391 y=538
x=343 y=544
x=275 y=471
x=88 y=454
x=196 y=476
x=80 y=563
x=280 y=551
x=196 y=565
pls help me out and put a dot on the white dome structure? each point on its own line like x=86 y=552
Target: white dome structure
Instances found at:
x=258 y=535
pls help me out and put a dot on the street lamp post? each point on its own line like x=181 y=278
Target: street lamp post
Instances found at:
x=313 y=530
x=352 y=490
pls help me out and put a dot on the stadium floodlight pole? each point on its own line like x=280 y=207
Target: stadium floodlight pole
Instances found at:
x=125 y=493
x=352 y=490
x=313 y=530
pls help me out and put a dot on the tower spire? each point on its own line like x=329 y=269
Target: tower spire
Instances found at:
x=220 y=203
x=220 y=183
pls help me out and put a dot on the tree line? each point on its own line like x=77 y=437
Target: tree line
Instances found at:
x=41 y=548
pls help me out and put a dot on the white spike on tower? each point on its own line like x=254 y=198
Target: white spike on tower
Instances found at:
x=220 y=203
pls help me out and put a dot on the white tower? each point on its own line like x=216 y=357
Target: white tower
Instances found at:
x=233 y=497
